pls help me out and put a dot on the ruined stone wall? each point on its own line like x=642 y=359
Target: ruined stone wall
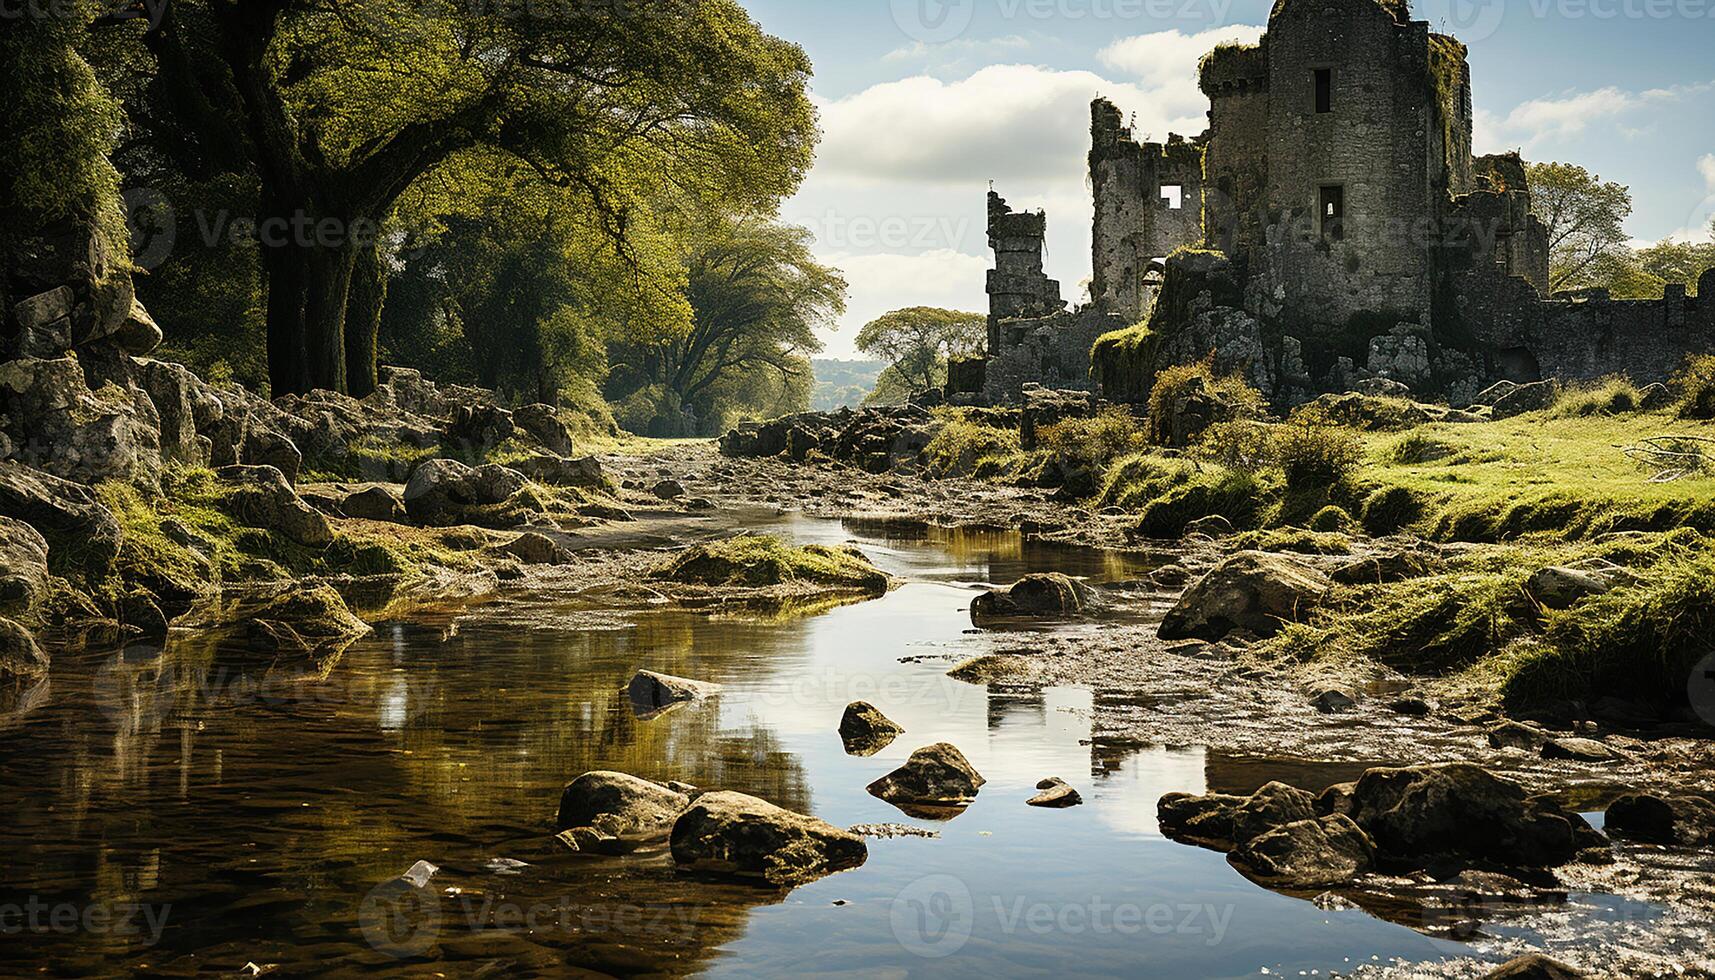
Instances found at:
x=1053 y=352
x=1135 y=218
x=1235 y=196
x=1518 y=336
x=1017 y=285
x=1373 y=145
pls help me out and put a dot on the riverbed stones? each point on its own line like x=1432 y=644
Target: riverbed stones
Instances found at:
x=1253 y=590
x=865 y=730
x=1516 y=735
x=260 y=496
x=1461 y=811
x=935 y=775
x=732 y=833
x=1578 y=750
x=653 y=694
x=446 y=491
x=616 y=808
x=668 y=490
x=542 y=423
x=23 y=567
x=532 y=548
x=560 y=471
x=374 y=503
x=1055 y=793
x=1321 y=852
x=286 y=619
x=1050 y=594
x=65 y=513
x=1683 y=821
x=21 y=658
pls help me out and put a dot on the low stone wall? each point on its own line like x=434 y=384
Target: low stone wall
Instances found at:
x=1053 y=352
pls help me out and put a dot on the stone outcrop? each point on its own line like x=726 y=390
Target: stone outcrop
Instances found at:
x=259 y=496
x=1317 y=853
x=1682 y=821
x=620 y=806
x=732 y=833
x=1046 y=594
x=21 y=659
x=1253 y=590
x=936 y=775
x=62 y=511
x=652 y=694
x=23 y=568
x=57 y=423
x=865 y=730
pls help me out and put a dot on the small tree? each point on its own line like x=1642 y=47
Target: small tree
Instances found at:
x=1586 y=219
x=916 y=343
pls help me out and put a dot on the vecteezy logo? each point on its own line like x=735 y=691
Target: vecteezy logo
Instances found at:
x=932 y=917
x=401 y=919
x=1701 y=689
x=152 y=225
x=933 y=21
x=1469 y=20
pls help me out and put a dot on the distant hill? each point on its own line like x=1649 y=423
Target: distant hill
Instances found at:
x=843 y=383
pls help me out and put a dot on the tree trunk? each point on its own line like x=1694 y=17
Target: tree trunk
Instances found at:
x=363 y=320
x=309 y=284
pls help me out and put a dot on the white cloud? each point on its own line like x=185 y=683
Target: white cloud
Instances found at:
x=911 y=157
x=1706 y=167
x=1572 y=115
x=952 y=52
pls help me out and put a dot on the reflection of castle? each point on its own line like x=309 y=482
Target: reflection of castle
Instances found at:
x=1356 y=234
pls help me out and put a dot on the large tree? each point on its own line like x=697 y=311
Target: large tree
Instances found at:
x=1586 y=219
x=916 y=343
x=338 y=106
x=758 y=297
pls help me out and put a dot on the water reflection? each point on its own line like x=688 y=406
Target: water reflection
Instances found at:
x=265 y=800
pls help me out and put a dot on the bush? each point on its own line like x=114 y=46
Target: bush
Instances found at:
x=1094 y=442
x=962 y=445
x=1237 y=445
x=1640 y=642
x=1173 y=383
x=1313 y=453
x=1416 y=449
x=1610 y=396
x=1696 y=386
x=1137 y=480
x=1237 y=496
x=1332 y=519
x=1390 y=509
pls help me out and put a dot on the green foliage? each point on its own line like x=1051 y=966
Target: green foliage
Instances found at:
x=1332 y=518
x=1239 y=497
x=843 y=384
x=1173 y=383
x=762 y=560
x=1677 y=262
x=1616 y=395
x=1639 y=642
x=1390 y=510
x=1696 y=386
x=917 y=341
x=1295 y=539
x=1093 y=442
x=1314 y=453
x=960 y=446
x=1237 y=445
x=1586 y=219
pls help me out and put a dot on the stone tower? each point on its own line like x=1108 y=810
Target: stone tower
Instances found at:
x=1018 y=288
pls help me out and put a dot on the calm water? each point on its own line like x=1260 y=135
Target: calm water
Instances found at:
x=186 y=811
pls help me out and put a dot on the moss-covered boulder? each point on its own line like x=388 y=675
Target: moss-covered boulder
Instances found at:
x=1050 y=594
x=20 y=658
x=762 y=560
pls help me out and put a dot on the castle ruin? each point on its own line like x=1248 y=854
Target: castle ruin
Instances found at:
x=1331 y=225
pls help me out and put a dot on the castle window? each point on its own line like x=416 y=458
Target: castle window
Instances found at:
x=1174 y=195
x=1333 y=212
x=1324 y=90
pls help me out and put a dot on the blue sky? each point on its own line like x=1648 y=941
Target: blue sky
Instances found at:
x=924 y=101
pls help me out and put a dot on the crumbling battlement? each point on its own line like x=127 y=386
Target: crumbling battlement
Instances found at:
x=1337 y=177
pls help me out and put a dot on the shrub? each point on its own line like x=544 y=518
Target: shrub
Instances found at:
x=1237 y=496
x=1332 y=519
x=1094 y=442
x=1390 y=509
x=1416 y=449
x=1173 y=383
x=961 y=445
x=1314 y=453
x=1616 y=395
x=1238 y=445
x=1137 y=480
x=1696 y=386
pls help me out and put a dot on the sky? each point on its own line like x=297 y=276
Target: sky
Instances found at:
x=923 y=102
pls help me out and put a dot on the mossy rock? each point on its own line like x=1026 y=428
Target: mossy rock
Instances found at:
x=1391 y=509
x=762 y=560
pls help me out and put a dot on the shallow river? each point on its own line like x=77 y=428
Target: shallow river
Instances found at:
x=183 y=812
